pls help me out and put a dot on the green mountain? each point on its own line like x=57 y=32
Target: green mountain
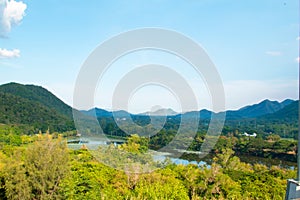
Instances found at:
x=38 y=108
x=263 y=108
x=34 y=106
x=289 y=113
x=37 y=94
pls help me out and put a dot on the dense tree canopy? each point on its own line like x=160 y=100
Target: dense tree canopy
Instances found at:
x=47 y=169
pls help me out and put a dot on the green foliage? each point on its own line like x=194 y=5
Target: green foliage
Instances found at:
x=93 y=180
x=225 y=142
x=273 y=138
x=36 y=172
x=17 y=110
x=136 y=144
x=283 y=146
x=160 y=185
x=10 y=135
x=44 y=168
x=132 y=156
x=37 y=95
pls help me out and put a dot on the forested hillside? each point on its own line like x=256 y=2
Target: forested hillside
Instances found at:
x=34 y=106
x=37 y=94
x=289 y=113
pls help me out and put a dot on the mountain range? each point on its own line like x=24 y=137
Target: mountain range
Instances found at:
x=266 y=107
x=36 y=106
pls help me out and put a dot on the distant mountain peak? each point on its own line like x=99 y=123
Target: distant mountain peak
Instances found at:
x=262 y=108
x=287 y=102
x=160 y=112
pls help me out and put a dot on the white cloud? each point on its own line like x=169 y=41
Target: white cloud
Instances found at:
x=297 y=60
x=298 y=38
x=274 y=53
x=4 y=53
x=11 y=13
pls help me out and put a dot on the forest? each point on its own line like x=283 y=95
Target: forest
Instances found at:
x=273 y=140
x=37 y=162
x=42 y=166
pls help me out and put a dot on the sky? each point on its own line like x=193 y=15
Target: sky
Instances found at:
x=253 y=44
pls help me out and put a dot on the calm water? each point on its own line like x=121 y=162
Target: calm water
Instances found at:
x=194 y=158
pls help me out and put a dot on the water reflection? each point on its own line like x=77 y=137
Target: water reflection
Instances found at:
x=187 y=157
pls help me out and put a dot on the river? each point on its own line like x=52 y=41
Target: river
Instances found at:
x=189 y=157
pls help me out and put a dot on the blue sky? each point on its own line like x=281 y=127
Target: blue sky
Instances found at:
x=254 y=45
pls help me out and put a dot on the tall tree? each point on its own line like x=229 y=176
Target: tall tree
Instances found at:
x=35 y=173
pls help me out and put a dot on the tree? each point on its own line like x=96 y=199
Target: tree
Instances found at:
x=160 y=185
x=36 y=172
x=136 y=144
x=273 y=138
